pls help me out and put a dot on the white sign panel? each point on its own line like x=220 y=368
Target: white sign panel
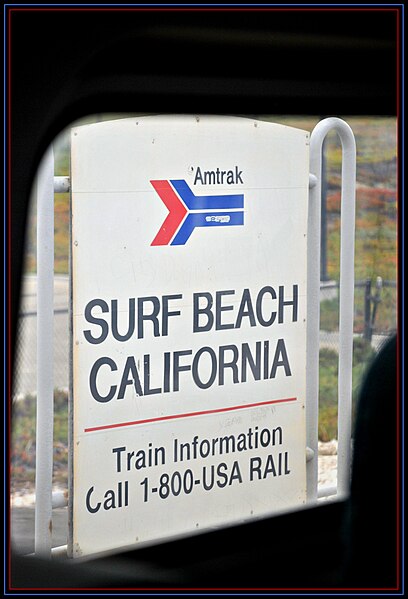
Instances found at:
x=189 y=333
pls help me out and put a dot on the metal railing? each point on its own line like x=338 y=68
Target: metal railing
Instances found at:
x=348 y=198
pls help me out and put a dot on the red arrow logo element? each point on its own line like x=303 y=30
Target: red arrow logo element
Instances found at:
x=177 y=212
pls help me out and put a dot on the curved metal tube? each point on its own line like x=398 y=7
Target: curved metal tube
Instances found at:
x=346 y=301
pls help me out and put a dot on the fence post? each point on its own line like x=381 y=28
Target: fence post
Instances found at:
x=45 y=355
x=367 y=311
x=376 y=300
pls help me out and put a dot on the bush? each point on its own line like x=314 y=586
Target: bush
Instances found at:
x=23 y=438
x=329 y=315
x=363 y=353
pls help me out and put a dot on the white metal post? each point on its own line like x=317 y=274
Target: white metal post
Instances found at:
x=313 y=326
x=346 y=302
x=45 y=355
x=348 y=201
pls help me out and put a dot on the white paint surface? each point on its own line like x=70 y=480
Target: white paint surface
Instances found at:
x=116 y=216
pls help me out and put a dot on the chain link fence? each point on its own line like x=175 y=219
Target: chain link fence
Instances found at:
x=25 y=366
x=375 y=312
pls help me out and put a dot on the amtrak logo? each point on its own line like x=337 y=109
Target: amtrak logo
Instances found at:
x=188 y=211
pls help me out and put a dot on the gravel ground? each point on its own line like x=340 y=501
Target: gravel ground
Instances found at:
x=328 y=463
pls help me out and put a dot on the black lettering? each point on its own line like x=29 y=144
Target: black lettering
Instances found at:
x=92 y=380
x=91 y=509
x=146 y=378
x=245 y=309
x=270 y=466
x=223 y=476
x=198 y=176
x=287 y=471
x=238 y=178
x=118 y=451
x=109 y=502
x=131 y=325
x=204 y=310
x=247 y=358
x=98 y=321
x=141 y=317
x=265 y=437
x=166 y=374
x=259 y=299
x=235 y=474
x=208 y=484
x=177 y=368
x=205 y=448
x=266 y=360
x=129 y=456
x=232 y=364
x=227 y=444
x=219 y=308
x=280 y=359
x=213 y=373
x=277 y=431
x=255 y=468
x=218 y=177
x=130 y=368
x=293 y=302
x=166 y=313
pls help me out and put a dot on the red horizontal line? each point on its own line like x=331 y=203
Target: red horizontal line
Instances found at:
x=187 y=415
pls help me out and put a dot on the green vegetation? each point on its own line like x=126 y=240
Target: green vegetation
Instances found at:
x=23 y=439
x=328 y=371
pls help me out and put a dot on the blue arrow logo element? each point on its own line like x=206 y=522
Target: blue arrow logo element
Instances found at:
x=205 y=211
x=213 y=202
x=205 y=219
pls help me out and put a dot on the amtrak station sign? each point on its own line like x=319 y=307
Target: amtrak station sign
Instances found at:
x=188 y=326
